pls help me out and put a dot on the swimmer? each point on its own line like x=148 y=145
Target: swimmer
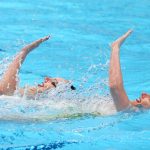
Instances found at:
x=9 y=81
x=117 y=90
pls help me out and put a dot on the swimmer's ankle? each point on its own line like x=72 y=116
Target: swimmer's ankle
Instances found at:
x=120 y=40
x=45 y=38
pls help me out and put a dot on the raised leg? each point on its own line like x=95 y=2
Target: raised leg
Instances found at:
x=115 y=75
x=9 y=81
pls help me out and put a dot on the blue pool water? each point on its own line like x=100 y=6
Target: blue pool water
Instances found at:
x=81 y=31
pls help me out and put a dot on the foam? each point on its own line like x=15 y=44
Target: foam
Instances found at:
x=17 y=108
x=61 y=102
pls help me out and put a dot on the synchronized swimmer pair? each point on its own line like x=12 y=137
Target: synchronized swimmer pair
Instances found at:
x=8 y=83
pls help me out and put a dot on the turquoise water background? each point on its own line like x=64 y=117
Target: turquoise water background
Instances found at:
x=81 y=32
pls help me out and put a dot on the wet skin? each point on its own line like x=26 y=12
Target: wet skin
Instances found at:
x=144 y=101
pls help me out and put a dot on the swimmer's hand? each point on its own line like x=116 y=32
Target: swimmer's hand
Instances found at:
x=28 y=91
x=32 y=90
x=35 y=90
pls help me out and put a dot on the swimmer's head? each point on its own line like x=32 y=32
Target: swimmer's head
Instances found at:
x=53 y=82
x=144 y=100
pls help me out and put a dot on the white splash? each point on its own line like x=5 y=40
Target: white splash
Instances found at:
x=50 y=108
x=59 y=103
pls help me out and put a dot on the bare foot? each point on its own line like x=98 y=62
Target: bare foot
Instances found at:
x=35 y=44
x=45 y=38
x=121 y=39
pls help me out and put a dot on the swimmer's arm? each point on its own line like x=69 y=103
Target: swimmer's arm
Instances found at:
x=116 y=82
x=35 y=43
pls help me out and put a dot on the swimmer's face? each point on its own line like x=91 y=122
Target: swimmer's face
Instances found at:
x=144 y=100
x=52 y=82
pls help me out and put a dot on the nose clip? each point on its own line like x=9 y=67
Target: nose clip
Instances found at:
x=54 y=84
